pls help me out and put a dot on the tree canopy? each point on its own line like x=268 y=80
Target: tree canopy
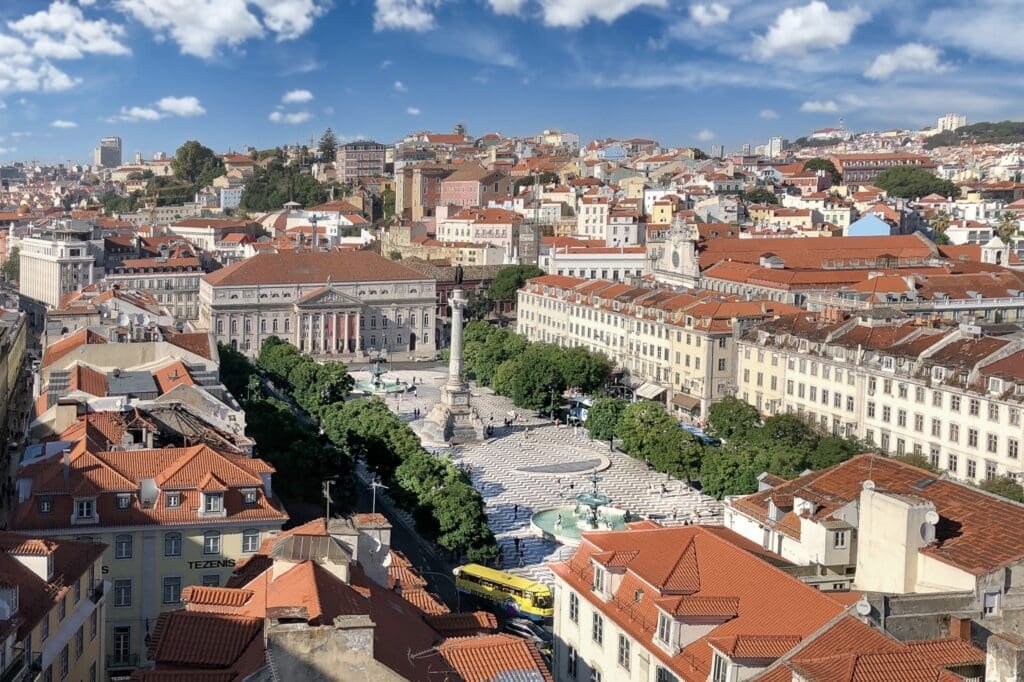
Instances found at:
x=984 y=132
x=196 y=165
x=272 y=187
x=650 y=433
x=913 y=182
x=12 y=267
x=544 y=178
x=760 y=195
x=509 y=281
x=328 y=145
x=817 y=163
x=603 y=417
x=1004 y=487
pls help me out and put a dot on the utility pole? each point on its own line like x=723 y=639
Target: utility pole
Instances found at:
x=327 y=483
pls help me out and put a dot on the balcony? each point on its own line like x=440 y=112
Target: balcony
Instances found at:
x=122 y=661
x=22 y=666
x=96 y=591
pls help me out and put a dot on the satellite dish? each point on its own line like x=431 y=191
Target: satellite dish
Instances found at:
x=869 y=485
x=863 y=607
x=932 y=517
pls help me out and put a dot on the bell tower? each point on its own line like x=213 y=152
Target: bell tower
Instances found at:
x=678 y=265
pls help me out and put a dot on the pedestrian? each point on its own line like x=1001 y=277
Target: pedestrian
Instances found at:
x=516 y=541
x=515 y=515
x=674 y=514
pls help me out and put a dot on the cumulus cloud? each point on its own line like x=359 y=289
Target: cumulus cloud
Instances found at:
x=706 y=135
x=60 y=123
x=292 y=118
x=987 y=28
x=413 y=111
x=202 y=27
x=404 y=15
x=61 y=31
x=165 y=107
x=819 y=107
x=798 y=30
x=297 y=96
x=768 y=114
x=910 y=57
x=506 y=6
x=575 y=13
x=705 y=15
x=400 y=86
x=185 y=107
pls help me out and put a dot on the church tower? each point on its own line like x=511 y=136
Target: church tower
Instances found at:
x=678 y=265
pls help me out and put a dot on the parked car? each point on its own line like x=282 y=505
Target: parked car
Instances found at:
x=528 y=630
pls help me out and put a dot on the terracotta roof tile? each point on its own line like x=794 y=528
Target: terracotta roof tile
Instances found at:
x=310 y=268
x=492 y=657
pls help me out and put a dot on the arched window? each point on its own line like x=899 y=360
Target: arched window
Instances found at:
x=172 y=544
x=211 y=542
x=123 y=547
x=250 y=540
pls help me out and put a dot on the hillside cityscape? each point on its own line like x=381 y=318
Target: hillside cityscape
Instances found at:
x=577 y=402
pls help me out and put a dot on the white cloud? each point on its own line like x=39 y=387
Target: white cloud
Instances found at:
x=202 y=27
x=798 y=30
x=413 y=111
x=705 y=135
x=21 y=133
x=386 y=64
x=61 y=31
x=25 y=73
x=292 y=119
x=709 y=14
x=186 y=107
x=297 y=96
x=768 y=114
x=400 y=86
x=909 y=57
x=506 y=6
x=60 y=123
x=135 y=114
x=990 y=28
x=575 y=13
x=404 y=15
x=819 y=107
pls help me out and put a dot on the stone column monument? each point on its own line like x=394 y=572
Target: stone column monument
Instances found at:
x=453 y=419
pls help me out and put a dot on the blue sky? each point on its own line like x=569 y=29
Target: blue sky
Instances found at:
x=695 y=72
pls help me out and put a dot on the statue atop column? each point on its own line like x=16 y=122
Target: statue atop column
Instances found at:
x=453 y=419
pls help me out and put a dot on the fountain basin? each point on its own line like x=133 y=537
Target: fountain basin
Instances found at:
x=385 y=387
x=545 y=523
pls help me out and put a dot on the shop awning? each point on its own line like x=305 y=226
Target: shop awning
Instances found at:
x=650 y=391
x=687 y=402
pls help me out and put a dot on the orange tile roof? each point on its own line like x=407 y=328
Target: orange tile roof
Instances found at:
x=493 y=657
x=774 y=609
x=174 y=374
x=186 y=638
x=55 y=351
x=310 y=268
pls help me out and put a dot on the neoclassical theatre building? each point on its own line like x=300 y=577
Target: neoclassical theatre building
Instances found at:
x=336 y=303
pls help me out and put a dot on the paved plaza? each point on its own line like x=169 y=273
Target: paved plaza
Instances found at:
x=535 y=465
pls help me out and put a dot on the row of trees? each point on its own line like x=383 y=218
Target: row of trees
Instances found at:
x=301 y=455
x=440 y=496
x=533 y=375
x=912 y=182
x=273 y=186
x=647 y=431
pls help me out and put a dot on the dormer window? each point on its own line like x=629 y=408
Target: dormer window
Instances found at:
x=995 y=385
x=45 y=504
x=250 y=496
x=598 y=584
x=719 y=668
x=938 y=373
x=664 y=629
x=173 y=500
x=213 y=503
x=84 y=508
x=887 y=362
x=124 y=501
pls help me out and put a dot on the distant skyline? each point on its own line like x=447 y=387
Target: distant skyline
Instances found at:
x=232 y=73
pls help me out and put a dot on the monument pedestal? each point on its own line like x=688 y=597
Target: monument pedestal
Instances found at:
x=453 y=419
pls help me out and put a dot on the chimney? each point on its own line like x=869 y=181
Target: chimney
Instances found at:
x=960 y=628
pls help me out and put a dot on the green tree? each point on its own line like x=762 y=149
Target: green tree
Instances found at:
x=1004 y=487
x=603 y=417
x=1007 y=227
x=196 y=165
x=817 y=163
x=509 y=281
x=760 y=195
x=477 y=306
x=646 y=431
x=584 y=369
x=916 y=460
x=912 y=182
x=387 y=199
x=731 y=471
x=269 y=188
x=12 y=266
x=395 y=255
x=535 y=375
x=497 y=347
x=732 y=418
x=277 y=358
x=328 y=145
x=940 y=221
x=369 y=430
x=544 y=178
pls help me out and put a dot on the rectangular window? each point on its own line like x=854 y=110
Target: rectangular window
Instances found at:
x=839 y=539
x=936 y=399
x=62 y=608
x=936 y=428
x=597 y=628
x=123 y=593
x=954 y=433
x=84 y=509
x=953 y=463
x=44 y=627
x=624 y=651
x=933 y=455
x=122 y=644
x=598 y=583
x=574 y=607
x=64 y=655
x=79 y=642
x=664 y=628
x=173 y=500
x=919 y=422
x=886 y=413
x=974 y=407
x=993 y=412
x=972 y=438
x=1012 y=448
x=571 y=663
x=954 y=403
x=213 y=502
x=972 y=468
x=211 y=580
x=172 y=590
x=990 y=470
x=901 y=417
x=93 y=624
x=1014 y=416
x=719 y=669
x=992 y=443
